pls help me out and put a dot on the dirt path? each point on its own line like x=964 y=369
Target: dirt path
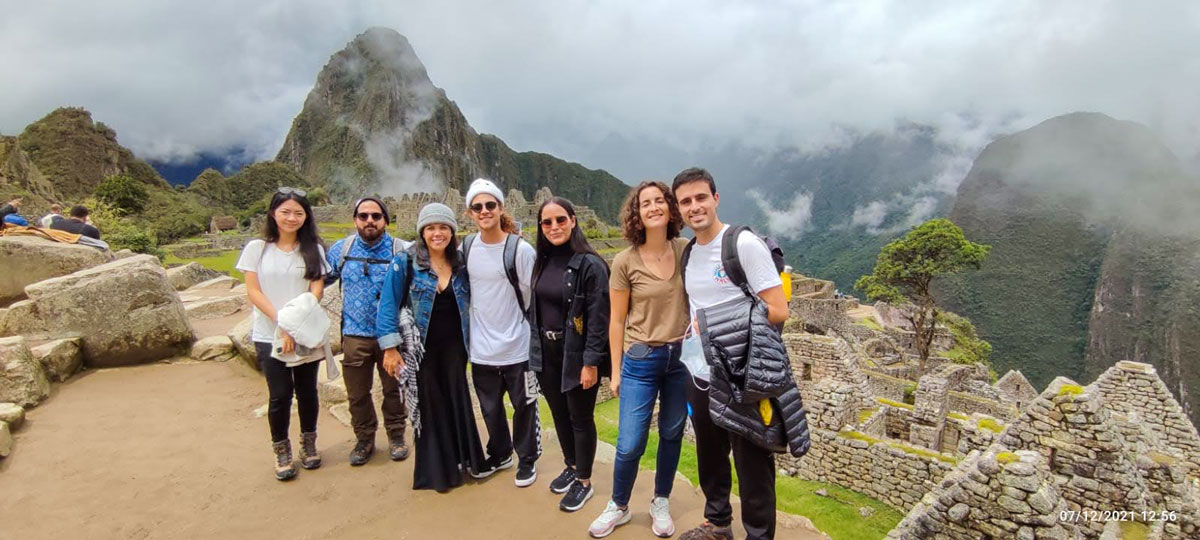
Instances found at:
x=174 y=451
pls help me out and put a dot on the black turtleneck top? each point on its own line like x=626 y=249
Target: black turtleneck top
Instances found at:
x=549 y=288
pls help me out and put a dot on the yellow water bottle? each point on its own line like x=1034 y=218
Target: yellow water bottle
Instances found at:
x=786 y=276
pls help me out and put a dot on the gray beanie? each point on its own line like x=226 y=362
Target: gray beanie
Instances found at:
x=436 y=213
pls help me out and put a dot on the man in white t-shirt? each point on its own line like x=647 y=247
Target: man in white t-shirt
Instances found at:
x=499 y=348
x=707 y=284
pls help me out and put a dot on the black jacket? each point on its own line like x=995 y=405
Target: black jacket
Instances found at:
x=738 y=383
x=5 y=211
x=585 y=332
x=75 y=227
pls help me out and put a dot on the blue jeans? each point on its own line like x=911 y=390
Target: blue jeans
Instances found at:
x=648 y=373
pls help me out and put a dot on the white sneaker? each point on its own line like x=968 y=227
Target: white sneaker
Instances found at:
x=660 y=517
x=609 y=519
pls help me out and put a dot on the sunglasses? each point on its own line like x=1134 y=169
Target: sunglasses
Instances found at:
x=291 y=190
x=546 y=223
x=370 y=216
x=490 y=205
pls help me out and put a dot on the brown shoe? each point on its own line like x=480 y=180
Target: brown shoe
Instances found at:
x=708 y=531
x=309 y=457
x=285 y=469
x=397 y=449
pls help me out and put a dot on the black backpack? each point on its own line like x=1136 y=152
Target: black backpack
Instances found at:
x=729 y=256
x=511 y=243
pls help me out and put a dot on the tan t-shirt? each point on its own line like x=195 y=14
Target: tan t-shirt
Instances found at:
x=657 y=307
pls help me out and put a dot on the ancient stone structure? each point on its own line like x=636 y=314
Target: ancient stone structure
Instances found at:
x=222 y=223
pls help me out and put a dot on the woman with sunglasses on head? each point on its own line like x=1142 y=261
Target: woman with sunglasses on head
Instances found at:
x=287 y=262
x=429 y=281
x=569 y=345
x=648 y=319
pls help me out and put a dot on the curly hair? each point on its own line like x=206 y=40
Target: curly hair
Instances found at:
x=631 y=219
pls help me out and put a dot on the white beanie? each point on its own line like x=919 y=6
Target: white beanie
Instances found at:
x=481 y=186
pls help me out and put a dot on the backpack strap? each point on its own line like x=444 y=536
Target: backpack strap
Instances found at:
x=511 y=243
x=347 y=243
x=687 y=256
x=466 y=246
x=730 y=261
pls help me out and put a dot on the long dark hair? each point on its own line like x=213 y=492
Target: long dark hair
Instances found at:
x=577 y=242
x=308 y=237
x=421 y=251
x=632 y=227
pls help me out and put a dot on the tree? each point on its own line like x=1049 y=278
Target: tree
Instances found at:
x=906 y=268
x=124 y=193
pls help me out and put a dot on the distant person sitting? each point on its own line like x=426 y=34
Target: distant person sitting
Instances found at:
x=54 y=215
x=77 y=223
x=10 y=209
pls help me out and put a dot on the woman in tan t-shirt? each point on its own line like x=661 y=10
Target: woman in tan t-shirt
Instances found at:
x=648 y=319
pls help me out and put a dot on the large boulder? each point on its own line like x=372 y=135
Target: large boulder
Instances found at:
x=12 y=414
x=29 y=259
x=240 y=335
x=215 y=308
x=125 y=311
x=190 y=275
x=214 y=349
x=22 y=380
x=218 y=284
x=60 y=358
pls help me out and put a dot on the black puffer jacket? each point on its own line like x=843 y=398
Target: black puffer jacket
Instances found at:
x=585 y=336
x=739 y=384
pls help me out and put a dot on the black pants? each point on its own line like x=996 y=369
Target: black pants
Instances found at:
x=491 y=383
x=282 y=382
x=361 y=360
x=755 y=468
x=574 y=411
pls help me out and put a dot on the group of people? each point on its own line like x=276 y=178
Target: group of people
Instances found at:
x=545 y=320
x=76 y=223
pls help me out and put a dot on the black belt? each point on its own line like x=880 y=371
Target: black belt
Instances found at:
x=552 y=335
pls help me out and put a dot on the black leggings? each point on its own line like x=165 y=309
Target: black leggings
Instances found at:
x=573 y=411
x=282 y=382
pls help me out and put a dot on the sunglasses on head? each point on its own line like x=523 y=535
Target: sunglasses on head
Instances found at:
x=490 y=205
x=371 y=216
x=291 y=190
x=557 y=219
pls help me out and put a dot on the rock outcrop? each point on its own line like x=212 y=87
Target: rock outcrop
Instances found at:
x=190 y=275
x=214 y=349
x=12 y=414
x=125 y=311
x=60 y=358
x=28 y=260
x=22 y=380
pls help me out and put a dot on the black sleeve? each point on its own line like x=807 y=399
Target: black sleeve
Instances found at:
x=91 y=231
x=5 y=211
x=595 y=349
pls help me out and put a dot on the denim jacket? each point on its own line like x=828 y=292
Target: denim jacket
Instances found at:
x=421 y=293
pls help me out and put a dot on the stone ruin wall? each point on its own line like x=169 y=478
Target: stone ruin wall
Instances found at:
x=1135 y=390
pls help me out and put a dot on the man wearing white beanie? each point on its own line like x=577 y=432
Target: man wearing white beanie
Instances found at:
x=500 y=266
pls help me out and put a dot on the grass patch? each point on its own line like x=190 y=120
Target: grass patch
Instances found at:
x=222 y=263
x=1133 y=530
x=869 y=322
x=1070 y=389
x=894 y=403
x=1004 y=458
x=925 y=453
x=959 y=416
x=865 y=414
x=991 y=425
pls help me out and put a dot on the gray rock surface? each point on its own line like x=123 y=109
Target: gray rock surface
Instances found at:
x=22 y=380
x=29 y=260
x=60 y=358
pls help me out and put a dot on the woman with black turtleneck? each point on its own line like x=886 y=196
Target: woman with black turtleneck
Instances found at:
x=569 y=346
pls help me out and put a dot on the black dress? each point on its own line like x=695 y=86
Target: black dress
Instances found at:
x=448 y=445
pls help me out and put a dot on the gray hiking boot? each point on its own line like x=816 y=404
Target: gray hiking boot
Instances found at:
x=309 y=457
x=285 y=469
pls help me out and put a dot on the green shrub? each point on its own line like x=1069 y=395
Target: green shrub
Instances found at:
x=123 y=193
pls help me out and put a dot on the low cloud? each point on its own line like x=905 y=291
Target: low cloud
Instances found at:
x=790 y=222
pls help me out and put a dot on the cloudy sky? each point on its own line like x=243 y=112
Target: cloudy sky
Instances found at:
x=175 y=78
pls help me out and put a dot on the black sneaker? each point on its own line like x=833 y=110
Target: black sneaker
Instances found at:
x=526 y=475
x=362 y=453
x=563 y=482
x=490 y=467
x=576 y=497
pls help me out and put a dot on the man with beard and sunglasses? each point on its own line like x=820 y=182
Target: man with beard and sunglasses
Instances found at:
x=361 y=261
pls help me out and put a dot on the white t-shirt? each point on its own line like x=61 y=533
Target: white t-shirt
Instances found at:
x=708 y=285
x=281 y=277
x=499 y=332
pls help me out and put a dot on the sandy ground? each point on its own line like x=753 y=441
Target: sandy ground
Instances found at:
x=174 y=451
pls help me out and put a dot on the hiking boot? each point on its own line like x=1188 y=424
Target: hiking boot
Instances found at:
x=284 y=468
x=362 y=452
x=611 y=518
x=708 y=531
x=309 y=457
x=526 y=475
x=576 y=496
x=661 y=523
x=397 y=449
x=563 y=482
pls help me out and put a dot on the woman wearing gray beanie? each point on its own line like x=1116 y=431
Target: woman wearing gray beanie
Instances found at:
x=426 y=347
